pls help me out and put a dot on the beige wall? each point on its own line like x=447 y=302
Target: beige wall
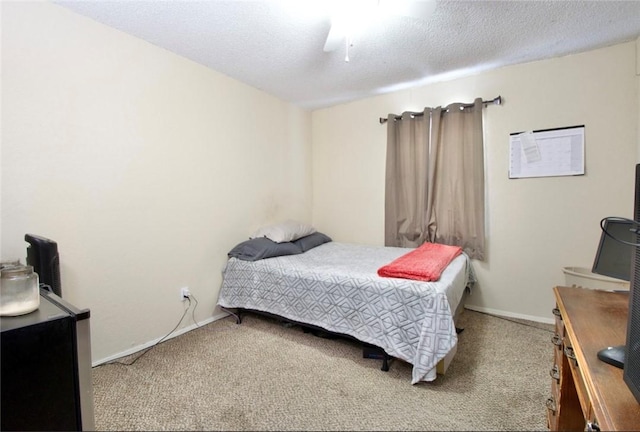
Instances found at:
x=140 y=165
x=535 y=226
x=146 y=168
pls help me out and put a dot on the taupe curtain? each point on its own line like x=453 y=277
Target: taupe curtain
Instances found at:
x=435 y=179
x=407 y=180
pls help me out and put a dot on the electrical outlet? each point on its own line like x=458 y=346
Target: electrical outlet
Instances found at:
x=184 y=293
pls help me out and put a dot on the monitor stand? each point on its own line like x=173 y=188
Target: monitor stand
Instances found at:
x=613 y=355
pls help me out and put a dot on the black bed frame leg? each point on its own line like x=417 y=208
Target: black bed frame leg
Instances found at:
x=374 y=352
x=386 y=361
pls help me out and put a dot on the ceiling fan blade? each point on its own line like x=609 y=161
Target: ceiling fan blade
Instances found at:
x=334 y=38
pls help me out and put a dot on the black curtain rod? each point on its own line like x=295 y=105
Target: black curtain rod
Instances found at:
x=494 y=101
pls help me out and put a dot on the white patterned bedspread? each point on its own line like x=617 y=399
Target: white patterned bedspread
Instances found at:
x=335 y=286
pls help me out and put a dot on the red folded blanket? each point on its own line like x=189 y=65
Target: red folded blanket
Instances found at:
x=424 y=263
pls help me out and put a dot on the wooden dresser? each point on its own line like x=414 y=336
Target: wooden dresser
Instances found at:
x=586 y=393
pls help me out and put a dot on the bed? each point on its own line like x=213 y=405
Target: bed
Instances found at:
x=335 y=287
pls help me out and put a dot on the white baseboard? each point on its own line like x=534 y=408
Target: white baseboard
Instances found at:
x=502 y=313
x=153 y=342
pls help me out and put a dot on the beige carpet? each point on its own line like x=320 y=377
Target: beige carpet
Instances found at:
x=261 y=375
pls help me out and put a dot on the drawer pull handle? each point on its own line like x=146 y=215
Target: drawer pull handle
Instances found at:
x=568 y=351
x=556 y=312
x=551 y=405
x=593 y=426
x=555 y=373
x=556 y=340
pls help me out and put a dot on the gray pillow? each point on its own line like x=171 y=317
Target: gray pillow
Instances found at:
x=312 y=240
x=260 y=248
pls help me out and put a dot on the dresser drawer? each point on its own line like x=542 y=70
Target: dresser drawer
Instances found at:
x=581 y=389
x=563 y=407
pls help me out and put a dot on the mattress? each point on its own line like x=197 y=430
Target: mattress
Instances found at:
x=335 y=286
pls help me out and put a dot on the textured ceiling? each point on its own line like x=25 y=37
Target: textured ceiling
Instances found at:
x=277 y=46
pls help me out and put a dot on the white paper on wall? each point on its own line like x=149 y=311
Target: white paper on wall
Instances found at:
x=530 y=149
x=546 y=153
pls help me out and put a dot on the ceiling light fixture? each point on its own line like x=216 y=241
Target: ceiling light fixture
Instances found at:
x=352 y=16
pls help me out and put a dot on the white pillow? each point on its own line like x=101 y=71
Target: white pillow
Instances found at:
x=284 y=232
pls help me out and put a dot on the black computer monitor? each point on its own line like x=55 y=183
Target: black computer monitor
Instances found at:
x=42 y=254
x=613 y=256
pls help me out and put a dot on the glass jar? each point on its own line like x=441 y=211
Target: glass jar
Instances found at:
x=19 y=290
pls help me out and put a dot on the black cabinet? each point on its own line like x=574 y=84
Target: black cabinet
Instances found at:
x=46 y=368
